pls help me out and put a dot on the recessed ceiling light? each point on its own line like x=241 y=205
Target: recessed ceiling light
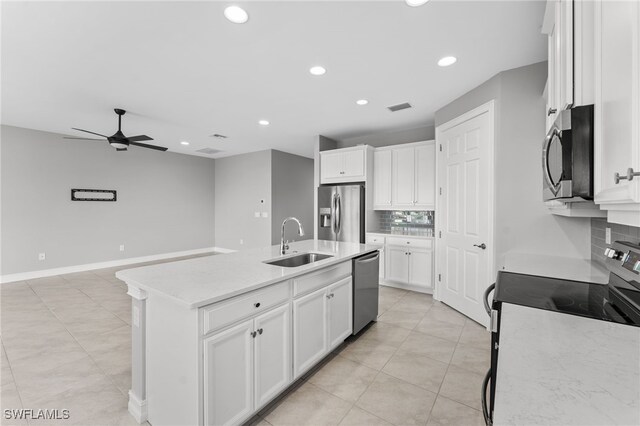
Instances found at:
x=263 y=122
x=415 y=3
x=447 y=60
x=236 y=14
x=362 y=101
x=184 y=143
x=317 y=70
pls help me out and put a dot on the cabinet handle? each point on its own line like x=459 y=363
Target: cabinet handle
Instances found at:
x=551 y=111
x=260 y=331
x=253 y=334
x=630 y=174
x=257 y=305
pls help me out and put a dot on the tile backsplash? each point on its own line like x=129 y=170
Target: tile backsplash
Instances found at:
x=406 y=220
x=618 y=233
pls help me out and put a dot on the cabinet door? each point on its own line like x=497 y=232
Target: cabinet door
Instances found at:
x=309 y=331
x=353 y=164
x=340 y=318
x=397 y=264
x=331 y=165
x=382 y=179
x=552 y=93
x=421 y=268
x=564 y=20
x=617 y=110
x=272 y=352
x=425 y=157
x=403 y=170
x=228 y=375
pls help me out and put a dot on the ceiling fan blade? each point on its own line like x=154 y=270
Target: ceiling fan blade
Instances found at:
x=93 y=133
x=139 y=138
x=144 y=145
x=83 y=139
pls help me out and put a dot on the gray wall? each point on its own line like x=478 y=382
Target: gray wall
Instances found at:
x=243 y=187
x=165 y=201
x=522 y=222
x=394 y=137
x=618 y=233
x=292 y=194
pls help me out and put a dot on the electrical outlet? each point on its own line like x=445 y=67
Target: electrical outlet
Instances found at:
x=607 y=235
x=42 y=256
x=121 y=247
x=241 y=241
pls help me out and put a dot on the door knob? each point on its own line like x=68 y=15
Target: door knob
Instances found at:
x=483 y=246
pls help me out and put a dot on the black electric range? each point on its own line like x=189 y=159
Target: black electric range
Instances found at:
x=617 y=301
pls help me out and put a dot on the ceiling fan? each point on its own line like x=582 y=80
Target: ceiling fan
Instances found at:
x=118 y=140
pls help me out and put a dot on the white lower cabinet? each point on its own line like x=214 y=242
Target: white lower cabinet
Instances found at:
x=228 y=375
x=309 y=330
x=412 y=266
x=246 y=366
x=340 y=318
x=272 y=350
x=321 y=321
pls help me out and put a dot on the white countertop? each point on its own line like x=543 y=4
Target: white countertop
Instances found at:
x=556 y=267
x=559 y=369
x=204 y=280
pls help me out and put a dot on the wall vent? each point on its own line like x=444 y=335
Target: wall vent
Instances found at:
x=399 y=107
x=208 y=151
x=219 y=136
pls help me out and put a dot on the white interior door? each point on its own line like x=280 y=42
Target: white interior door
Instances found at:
x=465 y=211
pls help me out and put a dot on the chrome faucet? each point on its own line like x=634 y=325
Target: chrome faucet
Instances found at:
x=284 y=247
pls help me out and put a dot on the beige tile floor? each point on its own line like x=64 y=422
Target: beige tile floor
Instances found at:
x=66 y=345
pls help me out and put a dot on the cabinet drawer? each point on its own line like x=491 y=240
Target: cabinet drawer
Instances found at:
x=310 y=282
x=375 y=239
x=410 y=242
x=224 y=313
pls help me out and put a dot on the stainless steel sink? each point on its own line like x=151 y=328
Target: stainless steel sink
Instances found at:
x=298 y=260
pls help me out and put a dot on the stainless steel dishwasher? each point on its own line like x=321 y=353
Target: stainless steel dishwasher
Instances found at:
x=365 y=290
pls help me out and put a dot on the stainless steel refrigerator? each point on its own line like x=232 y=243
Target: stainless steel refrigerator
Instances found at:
x=341 y=210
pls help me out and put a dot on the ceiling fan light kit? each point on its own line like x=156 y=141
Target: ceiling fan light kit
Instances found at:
x=118 y=140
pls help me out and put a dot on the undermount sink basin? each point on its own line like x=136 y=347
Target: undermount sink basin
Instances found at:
x=298 y=260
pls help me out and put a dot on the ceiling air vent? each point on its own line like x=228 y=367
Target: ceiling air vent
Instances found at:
x=394 y=108
x=208 y=151
x=219 y=136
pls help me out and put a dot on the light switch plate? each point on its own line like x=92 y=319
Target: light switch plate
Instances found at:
x=256 y=214
x=607 y=235
x=42 y=256
x=265 y=214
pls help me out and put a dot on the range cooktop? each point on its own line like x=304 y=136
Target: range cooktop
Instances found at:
x=559 y=295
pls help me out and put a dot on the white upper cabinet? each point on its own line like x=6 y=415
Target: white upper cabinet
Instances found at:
x=345 y=165
x=558 y=25
x=403 y=181
x=382 y=179
x=617 y=110
x=404 y=177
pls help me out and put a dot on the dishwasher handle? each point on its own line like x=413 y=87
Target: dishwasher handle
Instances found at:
x=369 y=259
x=486 y=413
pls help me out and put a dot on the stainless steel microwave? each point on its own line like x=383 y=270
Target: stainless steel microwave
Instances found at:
x=567 y=156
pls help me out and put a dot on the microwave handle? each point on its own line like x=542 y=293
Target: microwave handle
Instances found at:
x=545 y=160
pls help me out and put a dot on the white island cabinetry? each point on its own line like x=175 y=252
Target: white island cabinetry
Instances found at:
x=218 y=338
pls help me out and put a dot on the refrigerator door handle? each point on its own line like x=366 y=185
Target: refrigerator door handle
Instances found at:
x=338 y=214
x=333 y=213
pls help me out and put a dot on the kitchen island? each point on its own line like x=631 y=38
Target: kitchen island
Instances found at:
x=216 y=338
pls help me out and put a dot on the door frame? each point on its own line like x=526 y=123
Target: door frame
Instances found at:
x=488 y=108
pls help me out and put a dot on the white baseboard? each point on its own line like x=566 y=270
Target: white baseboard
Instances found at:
x=137 y=408
x=21 y=276
x=404 y=286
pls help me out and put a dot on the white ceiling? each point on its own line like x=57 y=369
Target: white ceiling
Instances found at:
x=184 y=72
